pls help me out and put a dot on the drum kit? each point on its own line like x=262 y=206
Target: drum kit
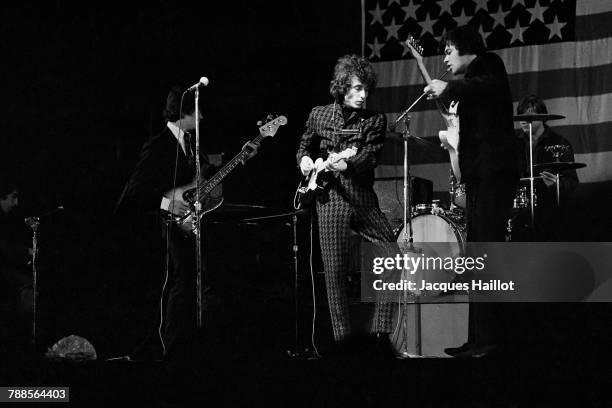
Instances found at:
x=432 y=222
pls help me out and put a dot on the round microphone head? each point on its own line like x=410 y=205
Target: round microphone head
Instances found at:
x=204 y=81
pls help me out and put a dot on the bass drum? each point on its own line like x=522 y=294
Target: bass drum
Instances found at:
x=443 y=323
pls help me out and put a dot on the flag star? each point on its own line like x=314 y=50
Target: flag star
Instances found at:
x=555 y=28
x=376 y=46
x=481 y=4
x=406 y=48
x=499 y=16
x=483 y=33
x=521 y=2
x=410 y=10
x=377 y=14
x=537 y=13
x=462 y=19
x=427 y=25
x=439 y=37
x=392 y=29
x=517 y=33
x=445 y=7
x=393 y=1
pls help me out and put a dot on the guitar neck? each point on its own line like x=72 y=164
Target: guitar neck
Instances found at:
x=227 y=169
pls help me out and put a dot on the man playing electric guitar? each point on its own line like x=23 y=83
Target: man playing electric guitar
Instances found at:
x=489 y=172
x=349 y=201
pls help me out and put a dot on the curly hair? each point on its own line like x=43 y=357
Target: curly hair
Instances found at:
x=347 y=67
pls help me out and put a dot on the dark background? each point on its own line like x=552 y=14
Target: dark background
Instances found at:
x=86 y=85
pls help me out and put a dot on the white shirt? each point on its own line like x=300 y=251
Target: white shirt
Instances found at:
x=179 y=134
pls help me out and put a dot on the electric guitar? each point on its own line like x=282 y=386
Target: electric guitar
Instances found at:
x=450 y=137
x=207 y=200
x=315 y=181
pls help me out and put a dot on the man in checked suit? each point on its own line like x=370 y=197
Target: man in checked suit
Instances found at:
x=154 y=185
x=350 y=201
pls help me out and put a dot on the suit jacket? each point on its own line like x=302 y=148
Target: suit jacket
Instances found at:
x=154 y=174
x=355 y=184
x=486 y=126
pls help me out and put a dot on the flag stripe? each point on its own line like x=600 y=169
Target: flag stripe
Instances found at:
x=593 y=26
x=588 y=138
x=584 y=7
x=517 y=60
x=580 y=111
x=553 y=84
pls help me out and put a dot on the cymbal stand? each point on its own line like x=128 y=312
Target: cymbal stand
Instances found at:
x=531 y=190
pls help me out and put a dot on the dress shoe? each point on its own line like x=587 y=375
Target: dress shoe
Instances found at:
x=477 y=351
x=453 y=351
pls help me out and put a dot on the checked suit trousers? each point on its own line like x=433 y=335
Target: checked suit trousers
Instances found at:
x=336 y=217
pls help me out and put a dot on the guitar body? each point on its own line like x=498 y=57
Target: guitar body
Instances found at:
x=319 y=177
x=450 y=137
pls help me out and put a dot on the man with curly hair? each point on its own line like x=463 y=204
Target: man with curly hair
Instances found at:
x=349 y=201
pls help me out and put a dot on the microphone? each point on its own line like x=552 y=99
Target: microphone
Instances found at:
x=203 y=82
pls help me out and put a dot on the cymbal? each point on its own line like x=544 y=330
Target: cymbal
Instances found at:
x=558 y=166
x=537 y=117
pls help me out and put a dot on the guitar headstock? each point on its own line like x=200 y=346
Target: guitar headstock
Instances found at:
x=271 y=127
x=415 y=48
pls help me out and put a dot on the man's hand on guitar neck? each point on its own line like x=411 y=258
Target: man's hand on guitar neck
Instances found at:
x=251 y=148
x=435 y=89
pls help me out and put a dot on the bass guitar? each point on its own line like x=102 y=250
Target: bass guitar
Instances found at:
x=207 y=201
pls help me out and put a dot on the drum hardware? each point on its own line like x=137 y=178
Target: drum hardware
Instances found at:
x=537 y=117
x=530 y=118
x=554 y=167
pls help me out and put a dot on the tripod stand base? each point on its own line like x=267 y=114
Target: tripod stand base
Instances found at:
x=303 y=354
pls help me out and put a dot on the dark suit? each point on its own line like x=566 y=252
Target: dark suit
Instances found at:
x=349 y=202
x=488 y=169
x=151 y=178
x=486 y=130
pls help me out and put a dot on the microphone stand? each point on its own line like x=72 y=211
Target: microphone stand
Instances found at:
x=34 y=222
x=408 y=239
x=197 y=225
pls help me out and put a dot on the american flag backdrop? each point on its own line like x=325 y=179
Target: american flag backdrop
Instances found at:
x=560 y=50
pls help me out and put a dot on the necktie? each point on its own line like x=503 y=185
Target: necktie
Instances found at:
x=188 y=150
